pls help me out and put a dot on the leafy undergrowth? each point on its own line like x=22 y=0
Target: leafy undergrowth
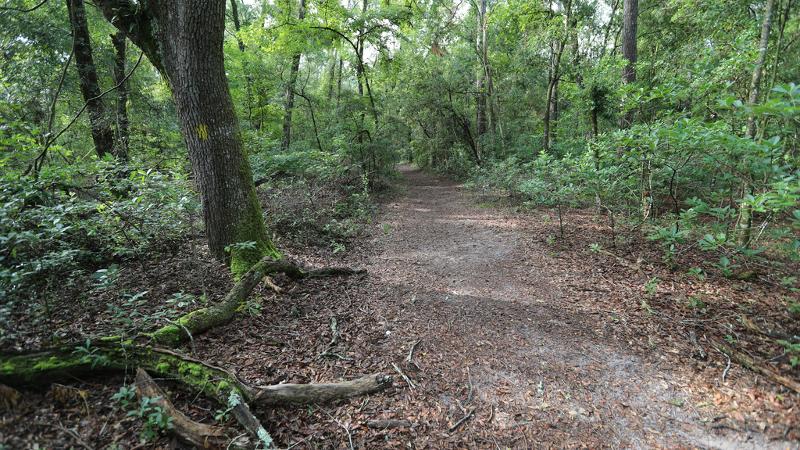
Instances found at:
x=469 y=354
x=125 y=298
x=316 y=199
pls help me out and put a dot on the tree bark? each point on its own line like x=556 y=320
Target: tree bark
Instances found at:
x=99 y=120
x=123 y=134
x=183 y=40
x=289 y=103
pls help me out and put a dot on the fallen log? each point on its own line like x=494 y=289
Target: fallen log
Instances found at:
x=44 y=367
x=288 y=394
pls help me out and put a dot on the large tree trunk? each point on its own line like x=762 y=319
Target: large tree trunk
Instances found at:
x=123 y=134
x=183 y=40
x=99 y=119
x=289 y=104
x=745 y=213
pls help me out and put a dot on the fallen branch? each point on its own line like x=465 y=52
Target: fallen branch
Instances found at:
x=469 y=414
x=116 y=354
x=187 y=430
x=748 y=362
x=388 y=423
x=410 y=357
x=403 y=375
x=286 y=394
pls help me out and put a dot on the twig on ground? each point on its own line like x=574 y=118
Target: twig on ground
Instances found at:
x=404 y=376
x=748 y=362
x=186 y=330
x=343 y=426
x=271 y=284
x=74 y=434
x=463 y=419
x=233 y=441
x=334 y=355
x=334 y=332
x=388 y=423
x=727 y=367
x=410 y=357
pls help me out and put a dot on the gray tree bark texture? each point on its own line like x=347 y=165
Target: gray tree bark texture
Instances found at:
x=99 y=120
x=183 y=40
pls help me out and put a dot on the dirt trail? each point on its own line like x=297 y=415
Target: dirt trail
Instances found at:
x=499 y=338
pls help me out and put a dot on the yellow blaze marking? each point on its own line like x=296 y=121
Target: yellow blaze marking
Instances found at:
x=202 y=132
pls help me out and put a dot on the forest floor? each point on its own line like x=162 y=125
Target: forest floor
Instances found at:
x=512 y=337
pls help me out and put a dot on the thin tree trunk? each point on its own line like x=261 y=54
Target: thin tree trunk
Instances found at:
x=607 y=30
x=183 y=40
x=480 y=80
x=630 y=14
x=237 y=24
x=313 y=118
x=782 y=20
x=339 y=84
x=552 y=86
x=120 y=46
x=745 y=213
x=554 y=75
x=332 y=76
x=248 y=79
x=289 y=103
x=102 y=135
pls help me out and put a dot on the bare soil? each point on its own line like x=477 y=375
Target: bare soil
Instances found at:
x=521 y=339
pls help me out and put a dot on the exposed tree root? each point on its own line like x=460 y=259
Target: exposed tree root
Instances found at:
x=115 y=354
x=48 y=366
x=203 y=319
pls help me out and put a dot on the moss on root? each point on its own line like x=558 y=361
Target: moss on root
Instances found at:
x=43 y=367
